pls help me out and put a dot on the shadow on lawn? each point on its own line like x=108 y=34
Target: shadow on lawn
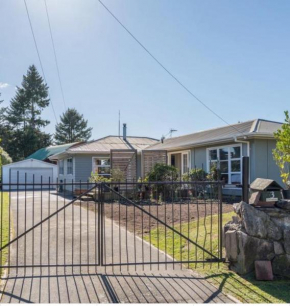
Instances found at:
x=253 y=292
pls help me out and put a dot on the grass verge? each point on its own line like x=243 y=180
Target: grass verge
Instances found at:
x=4 y=225
x=246 y=289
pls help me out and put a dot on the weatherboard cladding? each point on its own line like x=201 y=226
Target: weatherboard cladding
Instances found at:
x=252 y=127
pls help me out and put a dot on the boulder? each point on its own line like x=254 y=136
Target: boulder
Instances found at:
x=231 y=245
x=281 y=265
x=257 y=223
x=287 y=240
x=249 y=249
x=237 y=208
x=278 y=248
x=283 y=204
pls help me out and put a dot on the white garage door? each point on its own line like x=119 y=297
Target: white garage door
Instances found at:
x=36 y=175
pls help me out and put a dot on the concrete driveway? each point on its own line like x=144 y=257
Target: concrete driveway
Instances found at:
x=71 y=238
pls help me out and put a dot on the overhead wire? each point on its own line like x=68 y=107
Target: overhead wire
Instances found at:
x=38 y=54
x=166 y=69
x=55 y=56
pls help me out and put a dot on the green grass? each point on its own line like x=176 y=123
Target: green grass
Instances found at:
x=4 y=209
x=246 y=289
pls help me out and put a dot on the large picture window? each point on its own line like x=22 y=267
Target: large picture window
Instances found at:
x=102 y=166
x=228 y=160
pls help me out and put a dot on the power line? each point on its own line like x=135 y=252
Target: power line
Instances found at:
x=38 y=54
x=55 y=57
x=165 y=69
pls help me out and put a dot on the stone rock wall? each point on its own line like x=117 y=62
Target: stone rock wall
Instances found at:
x=259 y=234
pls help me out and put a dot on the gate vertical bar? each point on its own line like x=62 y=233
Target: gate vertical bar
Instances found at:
x=220 y=200
x=101 y=228
x=245 y=176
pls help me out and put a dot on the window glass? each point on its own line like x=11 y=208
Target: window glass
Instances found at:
x=213 y=155
x=224 y=166
x=61 y=168
x=69 y=166
x=225 y=177
x=102 y=166
x=102 y=162
x=104 y=170
x=213 y=165
x=236 y=166
x=235 y=152
x=224 y=153
x=236 y=178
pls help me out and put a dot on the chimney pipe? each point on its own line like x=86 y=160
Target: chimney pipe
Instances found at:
x=124 y=131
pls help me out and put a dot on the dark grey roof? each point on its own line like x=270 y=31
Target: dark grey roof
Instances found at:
x=248 y=129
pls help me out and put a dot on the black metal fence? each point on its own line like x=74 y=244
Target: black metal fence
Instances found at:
x=84 y=226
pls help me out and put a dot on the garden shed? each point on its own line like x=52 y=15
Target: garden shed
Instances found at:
x=29 y=170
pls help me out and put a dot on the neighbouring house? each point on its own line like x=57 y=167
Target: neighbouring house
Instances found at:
x=76 y=163
x=33 y=172
x=44 y=153
x=35 y=169
x=225 y=147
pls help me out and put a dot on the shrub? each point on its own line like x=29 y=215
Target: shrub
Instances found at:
x=196 y=174
x=117 y=175
x=282 y=151
x=96 y=178
x=162 y=173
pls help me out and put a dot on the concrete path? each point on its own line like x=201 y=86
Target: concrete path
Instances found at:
x=70 y=238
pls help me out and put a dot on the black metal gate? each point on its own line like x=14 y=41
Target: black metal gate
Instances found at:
x=161 y=223
x=83 y=226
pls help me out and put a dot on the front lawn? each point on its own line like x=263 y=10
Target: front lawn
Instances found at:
x=4 y=225
x=246 y=289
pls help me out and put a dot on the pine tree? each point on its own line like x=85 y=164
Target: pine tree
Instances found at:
x=24 y=116
x=72 y=128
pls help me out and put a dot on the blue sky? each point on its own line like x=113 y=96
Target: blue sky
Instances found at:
x=234 y=55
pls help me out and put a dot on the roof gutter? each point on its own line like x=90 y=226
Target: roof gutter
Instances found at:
x=244 y=141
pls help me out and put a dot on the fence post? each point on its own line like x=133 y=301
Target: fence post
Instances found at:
x=245 y=183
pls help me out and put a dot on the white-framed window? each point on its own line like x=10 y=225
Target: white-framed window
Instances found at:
x=61 y=167
x=228 y=159
x=102 y=166
x=69 y=166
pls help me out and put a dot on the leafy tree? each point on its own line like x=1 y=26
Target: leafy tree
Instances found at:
x=282 y=151
x=72 y=128
x=4 y=159
x=24 y=116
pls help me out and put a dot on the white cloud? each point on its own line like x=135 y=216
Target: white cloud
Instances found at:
x=3 y=85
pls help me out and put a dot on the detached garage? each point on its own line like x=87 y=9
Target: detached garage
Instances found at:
x=31 y=170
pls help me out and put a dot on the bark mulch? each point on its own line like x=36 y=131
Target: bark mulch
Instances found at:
x=134 y=219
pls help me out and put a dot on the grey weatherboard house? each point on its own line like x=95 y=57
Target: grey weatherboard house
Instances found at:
x=78 y=162
x=225 y=146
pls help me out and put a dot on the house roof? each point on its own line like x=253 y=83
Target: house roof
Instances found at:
x=104 y=145
x=44 y=153
x=249 y=129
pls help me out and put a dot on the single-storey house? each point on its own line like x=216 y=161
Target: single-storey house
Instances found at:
x=44 y=153
x=225 y=147
x=78 y=162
